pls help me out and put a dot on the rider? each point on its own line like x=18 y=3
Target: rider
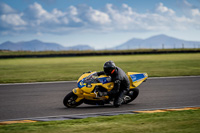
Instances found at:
x=121 y=82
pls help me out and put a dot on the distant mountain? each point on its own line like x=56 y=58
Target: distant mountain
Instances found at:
x=131 y=44
x=157 y=42
x=36 y=45
x=81 y=47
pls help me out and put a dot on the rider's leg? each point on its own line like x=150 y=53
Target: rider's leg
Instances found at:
x=118 y=99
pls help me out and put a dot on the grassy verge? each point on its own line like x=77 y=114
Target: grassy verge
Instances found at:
x=166 y=122
x=70 y=68
x=4 y=53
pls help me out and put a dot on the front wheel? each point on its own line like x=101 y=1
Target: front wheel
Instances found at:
x=132 y=95
x=70 y=100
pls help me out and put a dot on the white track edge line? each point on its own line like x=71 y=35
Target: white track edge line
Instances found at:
x=54 y=82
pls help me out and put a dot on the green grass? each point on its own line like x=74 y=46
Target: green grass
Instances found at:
x=70 y=68
x=165 y=122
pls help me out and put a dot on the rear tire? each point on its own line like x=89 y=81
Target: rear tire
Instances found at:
x=70 y=100
x=133 y=93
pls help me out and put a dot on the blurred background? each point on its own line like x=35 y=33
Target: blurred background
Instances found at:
x=70 y=31
x=99 y=24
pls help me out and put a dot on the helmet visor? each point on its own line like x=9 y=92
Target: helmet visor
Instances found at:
x=108 y=70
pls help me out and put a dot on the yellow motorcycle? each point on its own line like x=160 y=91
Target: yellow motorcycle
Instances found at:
x=89 y=85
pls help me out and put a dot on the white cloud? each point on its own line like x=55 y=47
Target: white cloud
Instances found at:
x=98 y=17
x=6 y=9
x=85 y=18
x=58 y=13
x=128 y=20
x=12 y=19
x=195 y=12
x=121 y=18
x=185 y=3
x=38 y=15
x=163 y=9
x=73 y=15
x=73 y=10
x=127 y=10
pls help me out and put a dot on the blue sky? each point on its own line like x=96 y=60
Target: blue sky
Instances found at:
x=99 y=23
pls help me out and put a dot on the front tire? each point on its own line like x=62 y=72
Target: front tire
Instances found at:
x=70 y=100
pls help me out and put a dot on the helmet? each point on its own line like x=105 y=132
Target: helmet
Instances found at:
x=109 y=67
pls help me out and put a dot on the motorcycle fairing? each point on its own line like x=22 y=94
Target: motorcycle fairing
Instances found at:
x=81 y=83
x=136 y=78
x=89 y=96
x=104 y=79
x=85 y=91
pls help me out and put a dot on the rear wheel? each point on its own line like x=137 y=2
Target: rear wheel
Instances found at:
x=132 y=95
x=70 y=100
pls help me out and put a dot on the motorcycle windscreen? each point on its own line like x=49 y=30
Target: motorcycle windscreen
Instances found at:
x=136 y=78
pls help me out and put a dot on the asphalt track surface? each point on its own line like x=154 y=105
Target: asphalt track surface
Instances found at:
x=45 y=99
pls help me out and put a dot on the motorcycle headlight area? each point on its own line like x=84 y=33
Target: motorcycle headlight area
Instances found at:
x=88 y=85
